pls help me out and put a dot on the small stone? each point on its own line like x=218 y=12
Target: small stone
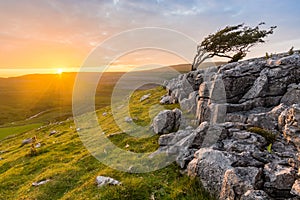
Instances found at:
x=166 y=100
x=40 y=182
x=146 y=96
x=38 y=145
x=103 y=180
x=27 y=141
x=104 y=114
x=128 y=119
x=53 y=132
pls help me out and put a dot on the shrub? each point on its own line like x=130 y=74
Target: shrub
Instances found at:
x=269 y=136
x=291 y=51
x=237 y=57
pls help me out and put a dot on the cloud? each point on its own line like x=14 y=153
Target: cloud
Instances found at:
x=78 y=26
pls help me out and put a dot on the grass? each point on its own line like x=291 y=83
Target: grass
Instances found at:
x=6 y=131
x=72 y=170
x=269 y=136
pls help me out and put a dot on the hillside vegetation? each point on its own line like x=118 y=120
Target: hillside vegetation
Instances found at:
x=71 y=169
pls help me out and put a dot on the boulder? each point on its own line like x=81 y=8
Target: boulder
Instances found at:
x=209 y=166
x=279 y=180
x=289 y=60
x=258 y=86
x=289 y=121
x=262 y=120
x=292 y=96
x=189 y=105
x=167 y=121
x=183 y=143
x=239 y=180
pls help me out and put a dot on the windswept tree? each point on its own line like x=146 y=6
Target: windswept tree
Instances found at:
x=231 y=42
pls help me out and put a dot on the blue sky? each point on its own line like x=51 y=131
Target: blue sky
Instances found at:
x=46 y=33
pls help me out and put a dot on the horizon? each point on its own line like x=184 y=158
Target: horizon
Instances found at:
x=44 y=36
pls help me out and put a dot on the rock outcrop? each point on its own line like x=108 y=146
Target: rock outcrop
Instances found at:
x=167 y=121
x=218 y=144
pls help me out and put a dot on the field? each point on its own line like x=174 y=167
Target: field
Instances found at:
x=35 y=105
x=71 y=169
x=4 y=132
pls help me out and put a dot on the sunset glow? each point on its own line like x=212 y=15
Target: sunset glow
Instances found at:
x=42 y=34
x=59 y=71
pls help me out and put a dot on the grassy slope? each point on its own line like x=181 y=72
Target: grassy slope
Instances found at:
x=72 y=170
x=4 y=132
x=25 y=96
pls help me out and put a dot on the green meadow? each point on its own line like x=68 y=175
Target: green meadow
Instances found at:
x=64 y=160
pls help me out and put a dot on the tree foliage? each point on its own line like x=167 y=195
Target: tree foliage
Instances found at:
x=230 y=42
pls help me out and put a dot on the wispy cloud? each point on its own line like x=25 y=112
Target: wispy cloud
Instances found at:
x=73 y=27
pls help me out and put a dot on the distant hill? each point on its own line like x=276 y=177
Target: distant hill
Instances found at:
x=28 y=95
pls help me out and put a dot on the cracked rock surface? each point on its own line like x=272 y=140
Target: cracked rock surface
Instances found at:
x=217 y=144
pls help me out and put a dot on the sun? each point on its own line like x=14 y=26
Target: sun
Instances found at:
x=59 y=71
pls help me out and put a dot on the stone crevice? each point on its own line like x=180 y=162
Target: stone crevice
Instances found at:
x=217 y=146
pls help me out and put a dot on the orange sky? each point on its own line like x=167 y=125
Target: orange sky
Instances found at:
x=42 y=36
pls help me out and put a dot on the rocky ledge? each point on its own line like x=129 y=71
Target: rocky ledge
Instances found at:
x=243 y=138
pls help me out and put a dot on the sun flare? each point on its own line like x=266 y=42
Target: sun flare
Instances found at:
x=59 y=71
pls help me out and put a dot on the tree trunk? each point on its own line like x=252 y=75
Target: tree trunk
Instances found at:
x=200 y=58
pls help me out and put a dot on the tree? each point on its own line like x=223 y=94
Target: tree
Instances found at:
x=230 y=42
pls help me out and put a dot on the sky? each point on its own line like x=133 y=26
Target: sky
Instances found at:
x=41 y=36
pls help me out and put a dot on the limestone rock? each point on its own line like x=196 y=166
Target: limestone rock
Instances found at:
x=189 y=105
x=144 y=97
x=167 y=121
x=103 y=180
x=27 y=141
x=289 y=121
x=167 y=100
x=128 y=119
x=210 y=166
x=296 y=188
x=255 y=195
x=53 y=132
x=239 y=180
x=40 y=182
x=279 y=180
x=231 y=162
x=292 y=96
x=262 y=120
